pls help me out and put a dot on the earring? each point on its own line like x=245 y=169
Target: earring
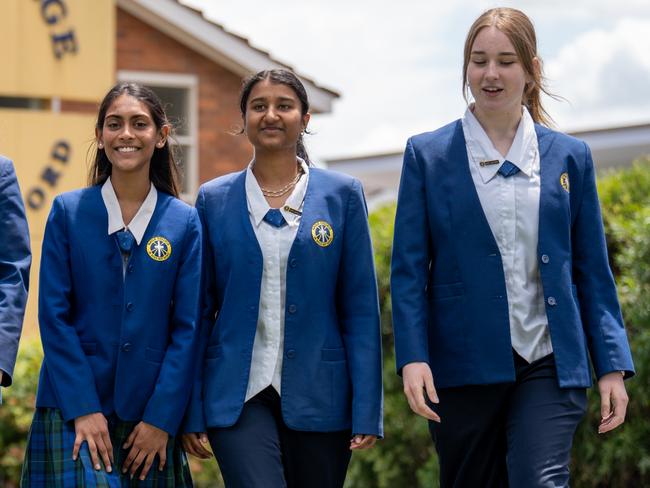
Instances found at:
x=100 y=145
x=161 y=144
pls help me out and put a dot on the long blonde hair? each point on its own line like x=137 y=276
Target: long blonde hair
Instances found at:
x=520 y=31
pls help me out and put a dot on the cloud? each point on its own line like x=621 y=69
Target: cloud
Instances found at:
x=603 y=71
x=397 y=65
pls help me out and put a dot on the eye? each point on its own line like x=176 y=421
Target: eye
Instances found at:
x=507 y=63
x=141 y=124
x=258 y=107
x=112 y=125
x=479 y=62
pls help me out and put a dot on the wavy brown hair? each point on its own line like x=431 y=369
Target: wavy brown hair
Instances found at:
x=163 y=171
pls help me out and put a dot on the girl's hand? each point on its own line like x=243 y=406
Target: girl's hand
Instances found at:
x=194 y=443
x=418 y=381
x=93 y=429
x=145 y=442
x=362 y=441
x=613 y=401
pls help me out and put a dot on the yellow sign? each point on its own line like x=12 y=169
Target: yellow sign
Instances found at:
x=57 y=48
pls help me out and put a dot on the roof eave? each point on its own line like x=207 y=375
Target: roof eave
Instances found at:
x=234 y=53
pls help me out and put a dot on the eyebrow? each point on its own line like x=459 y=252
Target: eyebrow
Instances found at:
x=504 y=53
x=117 y=116
x=264 y=99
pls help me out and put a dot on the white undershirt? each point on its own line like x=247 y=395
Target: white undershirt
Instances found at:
x=511 y=206
x=275 y=243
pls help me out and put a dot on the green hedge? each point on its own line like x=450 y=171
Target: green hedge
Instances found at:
x=406 y=458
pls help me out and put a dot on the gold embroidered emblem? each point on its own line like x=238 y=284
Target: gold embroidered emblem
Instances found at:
x=322 y=233
x=159 y=248
x=564 y=181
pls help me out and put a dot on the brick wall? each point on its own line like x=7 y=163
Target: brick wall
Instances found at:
x=142 y=48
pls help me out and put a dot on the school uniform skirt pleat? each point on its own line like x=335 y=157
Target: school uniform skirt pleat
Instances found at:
x=48 y=458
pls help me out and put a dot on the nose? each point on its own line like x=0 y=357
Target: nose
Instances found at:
x=271 y=113
x=491 y=70
x=126 y=132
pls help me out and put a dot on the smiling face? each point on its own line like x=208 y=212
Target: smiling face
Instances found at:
x=273 y=119
x=495 y=74
x=129 y=135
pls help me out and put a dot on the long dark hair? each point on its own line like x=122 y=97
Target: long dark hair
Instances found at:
x=283 y=77
x=163 y=171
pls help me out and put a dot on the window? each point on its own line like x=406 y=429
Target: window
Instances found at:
x=178 y=92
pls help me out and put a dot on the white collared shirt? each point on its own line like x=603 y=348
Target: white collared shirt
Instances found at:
x=275 y=243
x=140 y=221
x=511 y=206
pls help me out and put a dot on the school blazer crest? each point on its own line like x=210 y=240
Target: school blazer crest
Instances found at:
x=450 y=306
x=119 y=343
x=331 y=375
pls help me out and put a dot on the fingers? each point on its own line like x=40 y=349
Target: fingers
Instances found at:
x=126 y=465
x=137 y=462
x=418 y=381
x=77 y=445
x=109 y=447
x=360 y=442
x=605 y=403
x=105 y=453
x=415 y=397
x=430 y=389
x=92 y=447
x=129 y=440
x=162 y=455
x=148 y=462
x=194 y=444
x=617 y=414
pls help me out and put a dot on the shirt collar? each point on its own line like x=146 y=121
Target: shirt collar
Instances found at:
x=257 y=204
x=522 y=152
x=139 y=223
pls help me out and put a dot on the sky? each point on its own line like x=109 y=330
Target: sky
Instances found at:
x=397 y=64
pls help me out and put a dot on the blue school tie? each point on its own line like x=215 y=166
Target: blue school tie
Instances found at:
x=275 y=218
x=125 y=240
x=508 y=169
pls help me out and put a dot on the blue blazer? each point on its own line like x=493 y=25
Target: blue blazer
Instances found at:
x=450 y=305
x=331 y=374
x=115 y=344
x=15 y=260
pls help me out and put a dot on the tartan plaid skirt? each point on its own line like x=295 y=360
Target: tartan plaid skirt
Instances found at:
x=48 y=458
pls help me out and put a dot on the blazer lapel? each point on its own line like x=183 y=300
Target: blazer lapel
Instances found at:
x=551 y=194
x=308 y=211
x=469 y=222
x=238 y=205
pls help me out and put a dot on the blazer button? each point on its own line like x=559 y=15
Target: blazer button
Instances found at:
x=129 y=268
x=292 y=308
x=293 y=263
x=291 y=353
x=130 y=306
x=545 y=258
x=126 y=347
x=551 y=301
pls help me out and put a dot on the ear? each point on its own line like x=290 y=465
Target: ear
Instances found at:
x=98 y=138
x=305 y=120
x=537 y=69
x=162 y=136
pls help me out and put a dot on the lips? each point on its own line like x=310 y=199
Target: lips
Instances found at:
x=127 y=149
x=492 y=91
